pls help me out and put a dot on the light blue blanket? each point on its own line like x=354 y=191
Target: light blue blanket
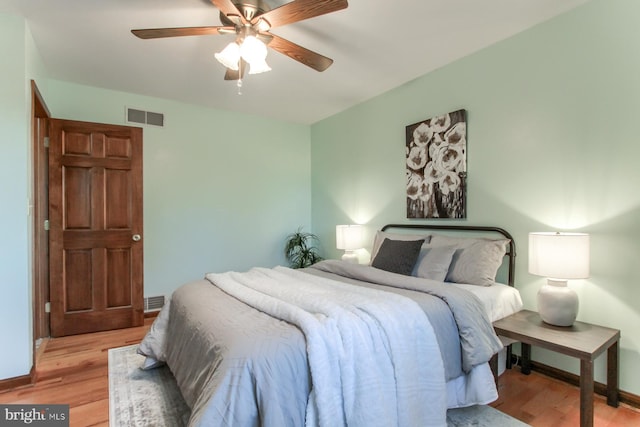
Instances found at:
x=240 y=366
x=477 y=338
x=365 y=347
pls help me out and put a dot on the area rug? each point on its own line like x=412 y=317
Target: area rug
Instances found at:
x=152 y=398
x=142 y=398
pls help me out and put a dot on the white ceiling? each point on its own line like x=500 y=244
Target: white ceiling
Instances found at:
x=376 y=45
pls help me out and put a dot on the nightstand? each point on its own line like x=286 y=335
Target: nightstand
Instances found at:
x=581 y=340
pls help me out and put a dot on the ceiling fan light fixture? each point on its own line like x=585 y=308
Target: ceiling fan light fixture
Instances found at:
x=248 y=19
x=230 y=56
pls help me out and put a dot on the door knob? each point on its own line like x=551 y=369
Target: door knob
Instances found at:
x=136 y=237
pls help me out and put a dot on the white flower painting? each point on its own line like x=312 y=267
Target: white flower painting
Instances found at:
x=437 y=167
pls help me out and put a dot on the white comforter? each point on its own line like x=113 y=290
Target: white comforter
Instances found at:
x=365 y=347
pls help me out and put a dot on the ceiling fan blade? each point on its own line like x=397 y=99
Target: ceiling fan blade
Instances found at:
x=300 y=54
x=229 y=9
x=299 y=10
x=236 y=74
x=156 y=33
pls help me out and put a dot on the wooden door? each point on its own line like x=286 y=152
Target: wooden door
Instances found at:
x=95 y=217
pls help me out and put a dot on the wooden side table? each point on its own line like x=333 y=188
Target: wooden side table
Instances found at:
x=581 y=340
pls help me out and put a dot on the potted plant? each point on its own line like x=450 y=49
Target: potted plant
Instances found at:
x=300 y=249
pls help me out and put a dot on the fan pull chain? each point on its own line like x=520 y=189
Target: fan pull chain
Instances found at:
x=239 y=84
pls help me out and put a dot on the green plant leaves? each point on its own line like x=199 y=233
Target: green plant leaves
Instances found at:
x=300 y=249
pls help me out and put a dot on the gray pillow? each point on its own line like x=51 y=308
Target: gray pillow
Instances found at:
x=433 y=262
x=397 y=256
x=476 y=261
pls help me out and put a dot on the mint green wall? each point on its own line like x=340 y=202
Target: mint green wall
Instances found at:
x=15 y=304
x=221 y=190
x=552 y=145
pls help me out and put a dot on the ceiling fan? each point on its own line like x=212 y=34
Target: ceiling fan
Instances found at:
x=251 y=21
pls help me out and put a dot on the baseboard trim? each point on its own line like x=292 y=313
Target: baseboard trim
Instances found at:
x=151 y=314
x=573 y=379
x=15 y=382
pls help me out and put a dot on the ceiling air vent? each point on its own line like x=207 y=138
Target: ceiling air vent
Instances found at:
x=144 y=117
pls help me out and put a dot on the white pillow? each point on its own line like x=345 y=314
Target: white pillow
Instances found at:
x=476 y=261
x=433 y=262
x=381 y=235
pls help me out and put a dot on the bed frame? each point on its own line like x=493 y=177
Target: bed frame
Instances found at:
x=511 y=248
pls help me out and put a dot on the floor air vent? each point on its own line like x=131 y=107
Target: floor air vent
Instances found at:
x=153 y=303
x=144 y=117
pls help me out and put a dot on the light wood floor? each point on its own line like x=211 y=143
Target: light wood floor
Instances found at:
x=545 y=402
x=73 y=370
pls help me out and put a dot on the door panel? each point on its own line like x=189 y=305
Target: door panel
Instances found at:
x=95 y=196
x=119 y=265
x=78 y=267
x=77 y=209
x=118 y=193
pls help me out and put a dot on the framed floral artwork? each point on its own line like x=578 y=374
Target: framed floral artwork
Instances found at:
x=437 y=167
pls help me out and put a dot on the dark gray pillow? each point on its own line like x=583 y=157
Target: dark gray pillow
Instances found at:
x=398 y=256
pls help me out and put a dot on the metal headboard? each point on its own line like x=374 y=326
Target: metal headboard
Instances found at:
x=511 y=248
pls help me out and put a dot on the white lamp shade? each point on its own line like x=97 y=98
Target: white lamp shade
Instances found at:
x=559 y=255
x=349 y=237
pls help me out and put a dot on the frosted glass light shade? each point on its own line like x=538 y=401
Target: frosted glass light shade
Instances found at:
x=257 y=67
x=230 y=56
x=559 y=255
x=253 y=49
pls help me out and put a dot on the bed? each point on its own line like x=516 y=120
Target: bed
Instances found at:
x=396 y=342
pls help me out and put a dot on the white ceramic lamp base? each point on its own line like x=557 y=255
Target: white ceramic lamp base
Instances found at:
x=350 y=256
x=557 y=303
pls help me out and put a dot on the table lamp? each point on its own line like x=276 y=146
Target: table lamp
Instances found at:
x=559 y=257
x=349 y=238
